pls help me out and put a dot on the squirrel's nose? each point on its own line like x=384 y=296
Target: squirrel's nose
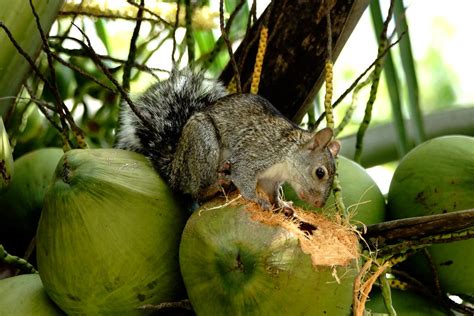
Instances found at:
x=319 y=203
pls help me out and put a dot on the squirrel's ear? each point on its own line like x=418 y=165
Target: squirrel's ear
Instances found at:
x=334 y=147
x=321 y=139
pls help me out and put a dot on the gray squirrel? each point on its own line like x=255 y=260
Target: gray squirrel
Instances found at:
x=203 y=139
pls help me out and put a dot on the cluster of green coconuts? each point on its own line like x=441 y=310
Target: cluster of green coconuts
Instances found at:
x=112 y=238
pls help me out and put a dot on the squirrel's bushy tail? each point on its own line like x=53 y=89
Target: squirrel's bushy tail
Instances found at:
x=166 y=106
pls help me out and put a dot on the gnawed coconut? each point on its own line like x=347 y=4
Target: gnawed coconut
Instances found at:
x=239 y=260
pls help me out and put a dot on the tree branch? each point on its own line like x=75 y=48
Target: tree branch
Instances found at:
x=418 y=227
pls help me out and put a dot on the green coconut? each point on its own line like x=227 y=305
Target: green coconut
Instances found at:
x=361 y=195
x=109 y=233
x=22 y=201
x=25 y=295
x=438 y=177
x=405 y=303
x=239 y=260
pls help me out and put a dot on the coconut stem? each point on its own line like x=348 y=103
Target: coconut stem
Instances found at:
x=434 y=272
x=66 y=171
x=387 y=295
x=15 y=261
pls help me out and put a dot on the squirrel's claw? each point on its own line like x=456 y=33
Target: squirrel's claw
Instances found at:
x=281 y=206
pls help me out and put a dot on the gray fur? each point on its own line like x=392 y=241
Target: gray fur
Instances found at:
x=203 y=139
x=167 y=105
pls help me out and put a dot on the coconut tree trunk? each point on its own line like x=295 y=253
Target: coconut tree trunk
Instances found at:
x=293 y=67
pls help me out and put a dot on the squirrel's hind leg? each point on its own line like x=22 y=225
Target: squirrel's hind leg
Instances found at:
x=196 y=162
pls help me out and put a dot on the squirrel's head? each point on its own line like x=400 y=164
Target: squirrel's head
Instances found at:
x=315 y=166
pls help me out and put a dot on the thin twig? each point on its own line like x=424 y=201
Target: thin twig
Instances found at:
x=252 y=15
x=63 y=111
x=127 y=68
x=383 y=43
x=189 y=32
x=350 y=110
x=81 y=72
x=47 y=50
x=211 y=56
x=246 y=49
x=149 y=54
x=149 y=12
x=85 y=53
x=175 y=27
x=73 y=20
x=356 y=81
x=43 y=107
x=229 y=48
x=106 y=72
x=35 y=70
x=181 y=51
x=434 y=272
x=151 y=36
x=227 y=203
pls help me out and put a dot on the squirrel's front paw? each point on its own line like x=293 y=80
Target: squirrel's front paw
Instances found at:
x=281 y=206
x=265 y=204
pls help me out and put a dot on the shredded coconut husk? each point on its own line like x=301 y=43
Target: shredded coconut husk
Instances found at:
x=328 y=242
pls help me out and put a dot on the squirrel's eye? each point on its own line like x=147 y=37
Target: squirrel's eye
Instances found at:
x=320 y=173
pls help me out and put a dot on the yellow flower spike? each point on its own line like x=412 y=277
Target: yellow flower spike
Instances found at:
x=397 y=284
x=232 y=86
x=81 y=141
x=328 y=96
x=257 y=70
x=203 y=18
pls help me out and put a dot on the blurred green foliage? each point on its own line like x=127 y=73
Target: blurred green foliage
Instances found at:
x=95 y=107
